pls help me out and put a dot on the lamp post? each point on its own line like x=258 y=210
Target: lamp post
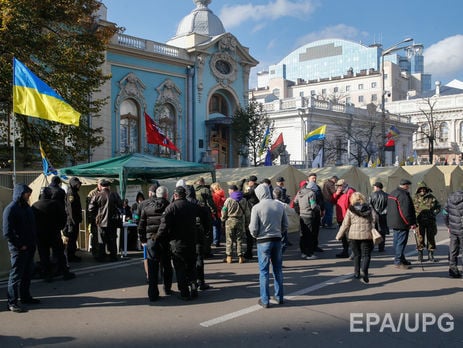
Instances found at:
x=386 y=52
x=301 y=112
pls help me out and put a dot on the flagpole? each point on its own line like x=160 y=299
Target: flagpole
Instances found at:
x=13 y=118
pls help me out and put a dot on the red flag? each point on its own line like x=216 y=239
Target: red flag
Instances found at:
x=277 y=146
x=155 y=136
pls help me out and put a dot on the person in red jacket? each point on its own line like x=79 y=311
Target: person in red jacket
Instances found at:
x=341 y=199
x=218 y=196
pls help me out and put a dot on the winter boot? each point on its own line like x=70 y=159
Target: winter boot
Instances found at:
x=420 y=255
x=431 y=256
x=241 y=259
x=454 y=272
x=229 y=259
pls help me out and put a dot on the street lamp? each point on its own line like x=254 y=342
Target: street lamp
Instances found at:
x=386 y=52
x=301 y=112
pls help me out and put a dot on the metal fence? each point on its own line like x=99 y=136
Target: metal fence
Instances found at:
x=23 y=177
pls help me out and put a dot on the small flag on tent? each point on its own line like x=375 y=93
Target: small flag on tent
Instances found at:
x=154 y=135
x=47 y=167
x=316 y=134
x=33 y=97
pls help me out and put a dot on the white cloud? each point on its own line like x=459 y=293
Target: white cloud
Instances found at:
x=233 y=16
x=444 y=59
x=340 y=31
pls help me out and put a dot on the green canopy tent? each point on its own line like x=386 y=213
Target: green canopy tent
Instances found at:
x=137 y=166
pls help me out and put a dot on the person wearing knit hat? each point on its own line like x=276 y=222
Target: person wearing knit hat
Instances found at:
x=427 y=207
x=401 y=217
x=378 y=201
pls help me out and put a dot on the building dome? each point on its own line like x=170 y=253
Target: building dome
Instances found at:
x=201 y=21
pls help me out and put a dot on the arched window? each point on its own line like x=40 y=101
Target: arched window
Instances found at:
x=129 y=127
x=444 y=132
x=461 y=132
x=168 y=125
x=218 y=104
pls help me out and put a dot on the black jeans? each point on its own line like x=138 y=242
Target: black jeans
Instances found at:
x=185 y=270
x=307 y=240
x=22 y=268
x=158 y=256
x=362 y=254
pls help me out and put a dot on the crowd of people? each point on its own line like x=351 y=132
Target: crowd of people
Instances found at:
x=179 y=231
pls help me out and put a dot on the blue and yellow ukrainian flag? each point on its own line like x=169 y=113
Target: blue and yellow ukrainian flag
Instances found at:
x=316 y=134
x=33 y=97
x=265 y=141
x=47 y=167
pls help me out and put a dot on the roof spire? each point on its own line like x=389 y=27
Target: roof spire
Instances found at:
x=202 y=3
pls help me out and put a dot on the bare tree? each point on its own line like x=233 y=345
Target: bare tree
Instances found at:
x=429 y=128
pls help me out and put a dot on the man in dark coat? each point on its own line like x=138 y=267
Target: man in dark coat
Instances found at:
x=178 y=226
x=378 y=201
x=105 y=206
x=74 y=218
x=453 y=217
x=250 y=196
x=20 y=232
x=50 y=220
x=401 y=217
x=157 y=251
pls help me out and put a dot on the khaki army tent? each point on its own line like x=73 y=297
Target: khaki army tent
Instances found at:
x=389 y=176
x=453 y=178
x=230 y=176
x=432 y=176
x=353 y=176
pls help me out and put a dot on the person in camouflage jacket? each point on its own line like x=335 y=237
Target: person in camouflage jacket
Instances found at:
x=426 y=207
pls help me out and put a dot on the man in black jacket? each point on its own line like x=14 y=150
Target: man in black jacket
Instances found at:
x=178 y=226
x=157 y=251
x=401 y=217
x=50 y=220
x=453 y=217
x=74 y=218
x=378 y=201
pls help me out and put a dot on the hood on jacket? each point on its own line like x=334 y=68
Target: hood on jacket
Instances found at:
x=262 y=192
x=313 y=186
x=456 y=198
x=74 y=183
x=421 y=185
x=236 y=195
x=18 y=191
x=361 y=209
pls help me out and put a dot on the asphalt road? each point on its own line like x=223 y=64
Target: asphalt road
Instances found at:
x=107 y=306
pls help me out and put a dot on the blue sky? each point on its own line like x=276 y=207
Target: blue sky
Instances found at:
x=274 y=28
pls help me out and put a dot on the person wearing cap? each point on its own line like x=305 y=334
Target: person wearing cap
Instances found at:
x=328 y=188
x=401 y=217
x=251 y=198
x=235 y=214
x=50 y=220
x=178 y=226
x=20 y=231
x=341 y=199
x=281 y=185
x=427 y=207
x=157 y=251
x=453 y=213
x=319 y=214
x=74 y=218
x=105 y=208
x=305 y=205
x=378 y=201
